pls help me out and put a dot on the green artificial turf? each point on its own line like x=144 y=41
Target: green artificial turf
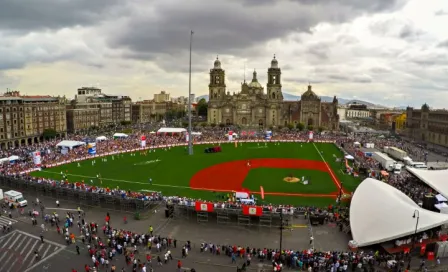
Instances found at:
x=172 y=169
x=272 y=181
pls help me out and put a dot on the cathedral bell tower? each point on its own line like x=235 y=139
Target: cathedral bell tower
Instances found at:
x=217 y=86
x=274 y=86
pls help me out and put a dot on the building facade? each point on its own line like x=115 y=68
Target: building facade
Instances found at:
x=357 y=111
x=24 y=119
x=111 y=109
x=81 y=119
x=426 y=125
x=253 y=107
x=142 y=113
x=162 y=97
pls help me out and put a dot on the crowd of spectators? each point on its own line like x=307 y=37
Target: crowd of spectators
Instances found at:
x=50 y=154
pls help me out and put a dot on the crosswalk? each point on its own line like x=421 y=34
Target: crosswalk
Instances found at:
x=4 y=221
x=17 y=251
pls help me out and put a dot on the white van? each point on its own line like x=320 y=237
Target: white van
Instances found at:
x=419 y=165
x=15 y=198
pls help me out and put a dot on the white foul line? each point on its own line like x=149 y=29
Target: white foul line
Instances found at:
x=328 y=167
x=124 y=181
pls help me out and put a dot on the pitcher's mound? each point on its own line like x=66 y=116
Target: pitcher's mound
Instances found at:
x=291 y=179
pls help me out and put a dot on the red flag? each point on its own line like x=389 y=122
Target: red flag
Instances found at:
x=252 y=210
x=262 y=192
x=204 y=207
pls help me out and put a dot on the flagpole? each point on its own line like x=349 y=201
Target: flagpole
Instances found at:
x=190 y=143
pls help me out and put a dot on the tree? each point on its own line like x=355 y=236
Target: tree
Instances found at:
x=310 y=127
x=125 y=123
x=202 y=107
x=203 y=124
x=300 y=126
x=213 y=125
x=320 y=129
x=222 y=125
x=49 y=133
x=290 y=126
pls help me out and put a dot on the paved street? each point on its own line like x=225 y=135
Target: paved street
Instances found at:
x=17 y=251
x=4 y=222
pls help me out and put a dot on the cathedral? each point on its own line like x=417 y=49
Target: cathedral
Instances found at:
x=253 y=107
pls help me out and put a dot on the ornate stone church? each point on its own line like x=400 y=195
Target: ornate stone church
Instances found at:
x=253 y=107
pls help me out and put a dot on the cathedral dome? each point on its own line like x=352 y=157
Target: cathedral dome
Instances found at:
x=309 y=95
x=217 y=64
x=254 y=83
x=274 y=63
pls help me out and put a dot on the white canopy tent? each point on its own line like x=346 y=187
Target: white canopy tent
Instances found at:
x=349 y=157
x=101 y=138
x=171 y=130
x=376 y=206
x=441 y=198
x=120 y=135
x=3 y=160
x=196 y=133
x=13 y=158
x=70 y=144
x=435 y=179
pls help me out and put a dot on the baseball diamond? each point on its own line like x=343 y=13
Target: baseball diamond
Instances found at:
x=211 y=175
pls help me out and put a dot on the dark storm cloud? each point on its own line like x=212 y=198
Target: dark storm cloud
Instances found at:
x=226 y=27
x=319 y=50
x=26 y=15
x=362 y=79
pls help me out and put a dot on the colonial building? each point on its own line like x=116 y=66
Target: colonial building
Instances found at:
x=111 y=109
x=253 y=107
x=23 y=119
x=142 y=113
x=427 y=125
x=357 y=111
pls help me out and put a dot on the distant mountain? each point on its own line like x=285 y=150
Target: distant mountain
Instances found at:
x=292 y=97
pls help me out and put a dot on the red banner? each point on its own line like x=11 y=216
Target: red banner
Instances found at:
x=252 y=210
x=262 y=192
x=204 y=207
x=422 y=250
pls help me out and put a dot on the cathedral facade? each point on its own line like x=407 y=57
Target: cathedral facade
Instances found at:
x=253 y=107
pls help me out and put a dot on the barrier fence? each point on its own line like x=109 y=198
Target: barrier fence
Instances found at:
x=79 y=197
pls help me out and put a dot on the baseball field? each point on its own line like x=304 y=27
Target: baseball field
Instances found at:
x=290 y=173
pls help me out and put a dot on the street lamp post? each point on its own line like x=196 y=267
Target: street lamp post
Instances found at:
x=190 y=142
x=415 y=215
x=340 y=194
x=281 y=229
x=282 y=226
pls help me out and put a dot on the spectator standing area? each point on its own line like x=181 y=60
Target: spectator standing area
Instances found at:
x=290 y=173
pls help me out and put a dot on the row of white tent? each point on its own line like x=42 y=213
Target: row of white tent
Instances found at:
x=381 y=213
x=71 y=144
x=9 y=159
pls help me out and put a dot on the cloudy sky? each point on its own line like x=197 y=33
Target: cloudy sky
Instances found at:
x=390 y=52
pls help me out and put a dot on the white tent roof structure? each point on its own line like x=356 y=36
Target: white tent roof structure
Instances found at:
x=120 y=135
x=435 y=179
x=380 y=213
x=171 y=130
x=101 y=138
x=70 y=144
x=14 y=158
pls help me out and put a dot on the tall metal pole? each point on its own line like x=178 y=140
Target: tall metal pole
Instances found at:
x=281 y=229
x=190 y=142
x=416 y=214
